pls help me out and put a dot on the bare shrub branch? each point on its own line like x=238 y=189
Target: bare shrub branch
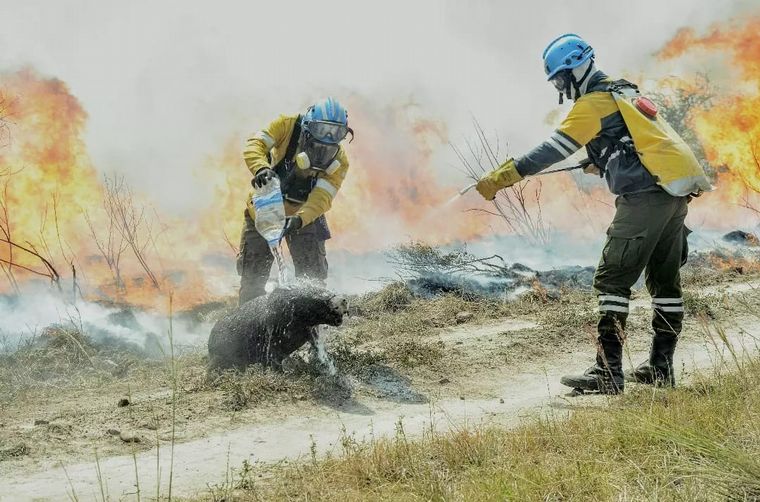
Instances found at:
x=749 y=190
x=130 y=222
x=229 y=242
x=418 y=259
x=110 y=243
x=6 y=231
x=519 y=206
x=10 y=261
x=6 y=112
x=50 y=272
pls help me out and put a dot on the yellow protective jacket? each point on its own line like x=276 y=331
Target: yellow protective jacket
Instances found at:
x=629 y=152
x=272 y=143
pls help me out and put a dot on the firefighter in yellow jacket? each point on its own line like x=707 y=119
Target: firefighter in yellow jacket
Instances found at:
x=305 y=153
x=653 y=173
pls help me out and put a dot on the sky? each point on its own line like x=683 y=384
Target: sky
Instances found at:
x=167 y=83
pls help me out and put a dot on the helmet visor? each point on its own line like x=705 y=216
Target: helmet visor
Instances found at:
x=320 y=154
x=327 y=132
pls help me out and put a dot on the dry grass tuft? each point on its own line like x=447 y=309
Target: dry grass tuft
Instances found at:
x=394 y=297
x=411 y=353
x=699 y=305
x=257 y=385
x=700 y=442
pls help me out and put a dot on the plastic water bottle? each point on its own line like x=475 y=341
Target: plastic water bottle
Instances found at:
x=270 y=222
x=270 y=211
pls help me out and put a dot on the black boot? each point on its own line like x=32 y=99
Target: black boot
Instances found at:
x=606 y=376
x=658 y=370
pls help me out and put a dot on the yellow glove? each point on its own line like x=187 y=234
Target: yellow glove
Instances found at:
x=502 y=177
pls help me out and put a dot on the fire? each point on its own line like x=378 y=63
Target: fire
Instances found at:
x=59 y=205
x=401 y=185
x=52 y=204
x=231 y=180
x=47 y=178
x=397 y=188
x=394 y=191
x=729 y=130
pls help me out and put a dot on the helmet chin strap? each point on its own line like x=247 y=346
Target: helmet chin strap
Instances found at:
x=563 y=93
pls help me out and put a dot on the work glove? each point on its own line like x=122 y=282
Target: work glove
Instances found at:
x=262 y=177
x=502 y=177
x=292 y=224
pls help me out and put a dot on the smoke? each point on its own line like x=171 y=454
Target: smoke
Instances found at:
x=164 y=94
x=165 y=84
x=25 y=317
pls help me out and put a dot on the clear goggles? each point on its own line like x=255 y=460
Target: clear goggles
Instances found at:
x=561 y=81
x=321 y=154
x=327 y=132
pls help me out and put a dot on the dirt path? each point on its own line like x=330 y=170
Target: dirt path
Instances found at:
x=200 y=462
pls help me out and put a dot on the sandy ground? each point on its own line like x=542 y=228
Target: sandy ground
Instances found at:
x=507 y=384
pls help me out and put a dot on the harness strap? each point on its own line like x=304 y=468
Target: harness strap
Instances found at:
x=618 y=86
x=294 y=137
x=294 y=188
x=623 y=145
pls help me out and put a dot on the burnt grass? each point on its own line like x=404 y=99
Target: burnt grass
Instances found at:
x=386 y=349
x=389 y=327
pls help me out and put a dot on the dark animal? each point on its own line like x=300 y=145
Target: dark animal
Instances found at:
x=269 y=328
x=741 y=237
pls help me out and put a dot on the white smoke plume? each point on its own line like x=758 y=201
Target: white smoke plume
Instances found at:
x=167 y=84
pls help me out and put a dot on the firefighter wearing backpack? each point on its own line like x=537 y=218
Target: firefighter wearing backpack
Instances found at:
x=305 y=153
x=653 y=173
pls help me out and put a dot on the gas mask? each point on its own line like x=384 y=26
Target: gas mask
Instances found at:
x=320 y=143
x=316 y=154
x=303 y=161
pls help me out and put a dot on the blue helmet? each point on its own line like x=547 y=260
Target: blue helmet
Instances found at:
x=565 y=53
x=326 y=121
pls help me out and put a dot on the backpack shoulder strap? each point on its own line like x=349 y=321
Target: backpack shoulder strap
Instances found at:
x=294 y=137
x=292 y=144
x=621 y=85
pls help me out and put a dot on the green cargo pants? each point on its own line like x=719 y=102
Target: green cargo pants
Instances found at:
x=254 y=263
x=647 y=234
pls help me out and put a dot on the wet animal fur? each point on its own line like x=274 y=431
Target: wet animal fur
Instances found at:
x=269 y=328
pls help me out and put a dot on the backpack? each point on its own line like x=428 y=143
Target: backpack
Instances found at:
x=661 y=150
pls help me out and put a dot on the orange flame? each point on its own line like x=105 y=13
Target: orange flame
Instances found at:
x=47 y=175
x=51 y=202
x=396 y=189
x=729 y=130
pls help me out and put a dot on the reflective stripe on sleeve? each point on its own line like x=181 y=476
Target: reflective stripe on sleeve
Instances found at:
x=560 y=148
x=567 y=144
x=265 y=138
x=326 y=186
x=568 y=139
